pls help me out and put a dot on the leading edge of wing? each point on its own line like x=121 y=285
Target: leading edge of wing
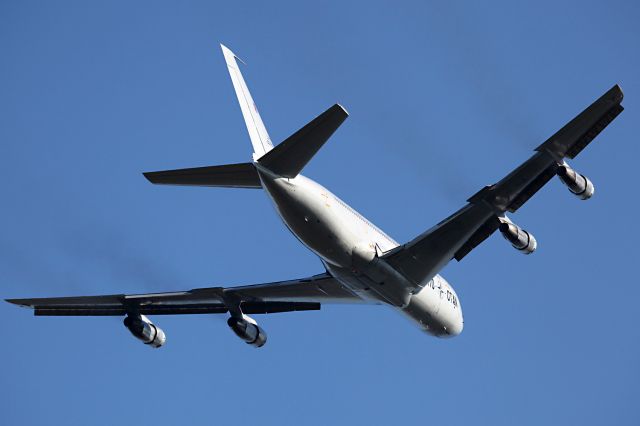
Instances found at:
x=282 y=296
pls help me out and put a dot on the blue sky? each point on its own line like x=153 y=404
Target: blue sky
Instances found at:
x=444 y=98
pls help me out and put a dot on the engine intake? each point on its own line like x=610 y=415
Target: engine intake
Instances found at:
x=145 y=330
x=518 y=237
x=578 y=184
x=250 y=333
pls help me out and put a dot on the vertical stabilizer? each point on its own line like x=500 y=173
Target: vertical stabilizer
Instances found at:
x=257 y=132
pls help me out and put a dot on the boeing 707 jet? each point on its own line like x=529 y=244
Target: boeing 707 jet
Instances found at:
x=362 y=263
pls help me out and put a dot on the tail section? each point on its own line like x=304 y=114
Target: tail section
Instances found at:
x=257 y=132
x=287 y=159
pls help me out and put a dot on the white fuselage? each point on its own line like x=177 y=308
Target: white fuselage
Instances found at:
x=350 y=247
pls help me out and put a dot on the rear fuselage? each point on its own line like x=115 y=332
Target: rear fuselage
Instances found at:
x=351 y=248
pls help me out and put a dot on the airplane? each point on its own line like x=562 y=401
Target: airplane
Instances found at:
x=363 y=265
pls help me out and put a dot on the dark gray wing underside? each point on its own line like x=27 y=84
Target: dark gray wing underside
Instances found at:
x=283 y=296
x=420 y=259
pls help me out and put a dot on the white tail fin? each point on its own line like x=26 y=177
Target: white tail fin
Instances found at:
x=257 y=132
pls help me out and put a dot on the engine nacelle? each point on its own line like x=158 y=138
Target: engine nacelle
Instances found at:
x=247 y=331
x=145 y=330
x=518 y=237
x=578 y=184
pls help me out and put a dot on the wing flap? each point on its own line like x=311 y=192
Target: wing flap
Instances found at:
x=191 y=309
x=251 y=308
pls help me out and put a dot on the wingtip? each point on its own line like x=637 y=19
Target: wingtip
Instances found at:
x=343 y=109
x=617 y=86
x=18 y=302
x=150 y=177
x=614 y=94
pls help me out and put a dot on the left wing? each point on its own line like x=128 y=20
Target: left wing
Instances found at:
x=420 y=259
x=283 y=296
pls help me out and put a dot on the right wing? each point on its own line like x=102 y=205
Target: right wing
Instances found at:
x=420 y=259
x=283 y=296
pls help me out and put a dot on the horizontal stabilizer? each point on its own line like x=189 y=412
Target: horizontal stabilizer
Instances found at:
x=243 y=175
x=288 y=158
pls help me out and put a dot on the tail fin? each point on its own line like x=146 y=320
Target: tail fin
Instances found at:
x=288 y=158
x=257 y=132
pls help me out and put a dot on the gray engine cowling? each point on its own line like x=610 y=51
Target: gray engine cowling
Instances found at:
x=252 y=334
x=145 y=330
x=579 y=185
x=519 y=238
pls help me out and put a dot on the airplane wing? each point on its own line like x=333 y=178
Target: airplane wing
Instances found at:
x=420 y=259
x=283 y=296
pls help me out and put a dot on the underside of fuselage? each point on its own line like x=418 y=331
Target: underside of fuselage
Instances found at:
x=350 y=248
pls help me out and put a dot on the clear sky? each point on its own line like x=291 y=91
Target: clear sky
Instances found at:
x=445 y=97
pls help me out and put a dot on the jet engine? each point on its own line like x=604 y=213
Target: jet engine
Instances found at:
x=145 y=330
x=578 y=184
x=518 y=237
x=247 y=331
